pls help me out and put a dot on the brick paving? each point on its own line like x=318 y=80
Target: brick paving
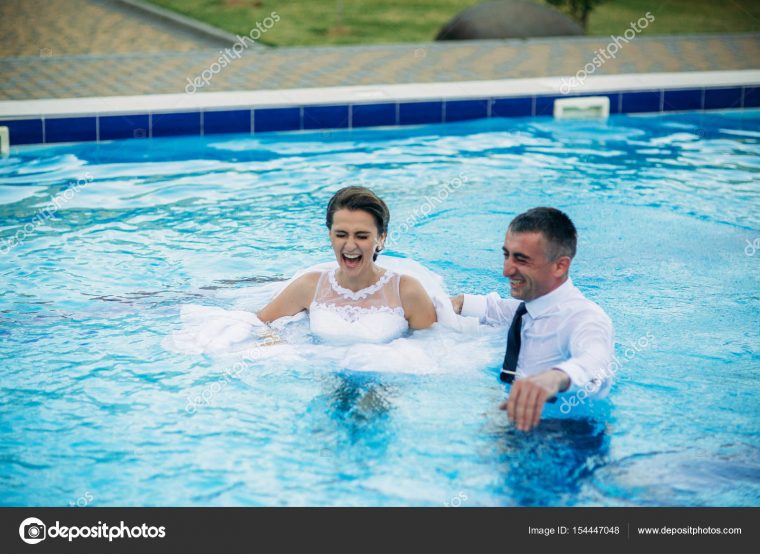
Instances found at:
x=80 y=48
x=52 y=28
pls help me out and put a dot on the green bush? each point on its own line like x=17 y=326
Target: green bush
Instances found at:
x=577 y=9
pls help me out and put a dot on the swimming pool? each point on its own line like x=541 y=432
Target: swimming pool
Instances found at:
x=95 y=409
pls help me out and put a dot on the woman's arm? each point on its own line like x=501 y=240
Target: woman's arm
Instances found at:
x=295 y=298
x=418 y=307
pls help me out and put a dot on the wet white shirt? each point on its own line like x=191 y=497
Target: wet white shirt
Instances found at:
x=561 y=330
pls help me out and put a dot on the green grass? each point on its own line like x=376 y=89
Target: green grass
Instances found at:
x=677 y=16
x=325 y=22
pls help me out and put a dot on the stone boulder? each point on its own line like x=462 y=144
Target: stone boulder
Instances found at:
x=508 y=19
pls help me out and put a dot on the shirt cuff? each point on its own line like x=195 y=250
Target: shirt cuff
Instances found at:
x=474 y=306
x=579 y=380
x=576 y=374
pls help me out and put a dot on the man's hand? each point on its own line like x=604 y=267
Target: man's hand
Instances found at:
x=527 y=397
x=457 y=302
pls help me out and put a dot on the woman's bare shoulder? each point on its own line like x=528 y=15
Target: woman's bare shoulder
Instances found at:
x=418 y=306
x=310 y=278
x=292 y=299
x=307 y=282
x=409 y=286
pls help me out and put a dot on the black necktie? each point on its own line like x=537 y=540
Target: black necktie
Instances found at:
x=509 y=366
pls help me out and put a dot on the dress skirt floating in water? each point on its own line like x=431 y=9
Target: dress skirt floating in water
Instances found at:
x=447 y=347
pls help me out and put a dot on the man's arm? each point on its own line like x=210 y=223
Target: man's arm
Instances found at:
x=590 y=345
x=490 y=309
x=527 y=397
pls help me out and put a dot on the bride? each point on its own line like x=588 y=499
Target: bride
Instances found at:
x=358 y=299
x=355 y=300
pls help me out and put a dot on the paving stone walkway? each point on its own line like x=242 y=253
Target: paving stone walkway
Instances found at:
x=53 y=28
x=80 y=48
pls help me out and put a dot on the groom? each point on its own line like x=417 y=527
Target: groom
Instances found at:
x=558 y=340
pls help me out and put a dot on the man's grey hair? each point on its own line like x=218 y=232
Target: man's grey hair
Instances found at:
x=555 y=225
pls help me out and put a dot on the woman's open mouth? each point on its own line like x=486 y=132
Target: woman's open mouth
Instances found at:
x=352 y=261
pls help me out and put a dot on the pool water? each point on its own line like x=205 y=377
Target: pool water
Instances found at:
x=96 y=411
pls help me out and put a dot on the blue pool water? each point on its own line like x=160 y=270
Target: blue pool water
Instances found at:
x=95 y=409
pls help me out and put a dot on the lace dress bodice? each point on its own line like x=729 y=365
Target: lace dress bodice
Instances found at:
x=373 y=314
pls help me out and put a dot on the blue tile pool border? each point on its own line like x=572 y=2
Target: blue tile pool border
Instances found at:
x=328 y=116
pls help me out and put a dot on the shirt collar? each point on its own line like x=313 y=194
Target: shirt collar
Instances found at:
x=542 y=304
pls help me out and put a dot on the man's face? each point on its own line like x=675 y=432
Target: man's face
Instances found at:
x=526 y=265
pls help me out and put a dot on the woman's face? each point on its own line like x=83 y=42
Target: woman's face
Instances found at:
x=354 y=239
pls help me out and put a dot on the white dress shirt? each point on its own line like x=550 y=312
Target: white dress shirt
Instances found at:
x=561 y=330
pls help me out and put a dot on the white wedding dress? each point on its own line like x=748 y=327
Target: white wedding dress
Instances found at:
x=373 y=314
x=367 y=319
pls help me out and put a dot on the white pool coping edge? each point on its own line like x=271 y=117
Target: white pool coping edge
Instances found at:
x=157 y=103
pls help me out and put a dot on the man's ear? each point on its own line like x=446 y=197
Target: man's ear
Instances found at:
x=562 y=265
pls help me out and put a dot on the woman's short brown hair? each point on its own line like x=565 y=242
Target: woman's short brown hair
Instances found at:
x=360 y=198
